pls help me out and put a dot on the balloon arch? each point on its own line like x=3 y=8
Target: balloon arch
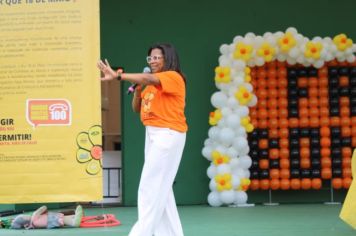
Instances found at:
x=268 y=118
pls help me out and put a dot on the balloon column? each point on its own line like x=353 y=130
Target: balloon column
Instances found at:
x=285 y=115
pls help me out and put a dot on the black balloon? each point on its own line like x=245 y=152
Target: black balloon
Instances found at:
x=295 y=173
x=315 y=173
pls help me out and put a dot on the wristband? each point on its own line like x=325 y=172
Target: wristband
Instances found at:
x=119 y=72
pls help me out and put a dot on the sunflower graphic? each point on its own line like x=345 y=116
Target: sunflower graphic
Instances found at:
x=90 y=150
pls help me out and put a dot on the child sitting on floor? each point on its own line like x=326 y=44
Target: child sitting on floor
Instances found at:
x=42 y=218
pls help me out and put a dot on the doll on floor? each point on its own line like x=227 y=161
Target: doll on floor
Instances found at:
x=42 y=218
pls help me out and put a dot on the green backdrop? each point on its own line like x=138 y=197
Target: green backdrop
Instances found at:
x=197 y=29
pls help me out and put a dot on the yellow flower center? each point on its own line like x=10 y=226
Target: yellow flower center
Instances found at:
x=220 y=160
x=245 y=95
x=285 y=41
x=243 y=51
x=266 y=52
x=222 y=182
x=221 y=75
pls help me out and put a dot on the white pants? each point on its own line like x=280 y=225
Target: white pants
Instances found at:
x=157 y=210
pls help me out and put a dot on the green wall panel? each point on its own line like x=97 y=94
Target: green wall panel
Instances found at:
x=197 y=29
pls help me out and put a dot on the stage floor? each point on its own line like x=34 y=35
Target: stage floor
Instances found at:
x=260 y=220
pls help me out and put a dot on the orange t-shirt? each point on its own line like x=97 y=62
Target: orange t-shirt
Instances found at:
x=163 y=105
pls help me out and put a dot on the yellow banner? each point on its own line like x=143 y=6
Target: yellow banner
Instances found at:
x=50 y=117
x=348 y=210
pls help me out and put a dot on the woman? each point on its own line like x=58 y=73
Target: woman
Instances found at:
x=161 y=105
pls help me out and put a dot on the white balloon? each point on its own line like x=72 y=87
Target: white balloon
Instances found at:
x=213 y=133
x=224 y=61
x=239 y=172
x=233 y=120
x=232 y=153
x=223 y=169
x=226 y=111
x=214 y=199
x=237 y=39
x=318 y=64
x=243 y=111
x=240 y=197
x=234 y=163
x=211 y=171
x=226 y=136
x=221 y=149
x=224 y=49
x=253 y=101
x=350 y=58
x=238 y=80
x=241 y=131
x=212 y=185
x=235 y=181
x=239 y=64
x=227 y=197
x=239 y=143
x=208 y=142
x=259 y=61
x=232 y=102
x=245 y=161
x=247 y=174
x=292 y=30
x=206 y=151
x=245 y=150
x=218 y=99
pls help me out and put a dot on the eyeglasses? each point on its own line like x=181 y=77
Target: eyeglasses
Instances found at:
x=149 y=59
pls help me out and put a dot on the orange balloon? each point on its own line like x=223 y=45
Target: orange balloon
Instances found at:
x=325 y=131
x=284 y=153
x=283 y=132
x=262 y=103
x=295 y=184
x=326 y=173
x=264 y=184
x=313 y=102
x=293 y=122
x=272 y=113
x=346 y=172
x=274 y=173
x=285 y=173
x=274 y=153
x=282 y=113
x=313 y=92
x=346 y=182
x=263 y=143
x=264 y=164
x=273 y=133
x=302 y=82
x=306 y=183
x=254 y=122
x=325 y=152
x=345 y=131
x=346 y=162
x=305 y=163
x=344 y=101
x=323 y=72
x=261 y=83
x=273 y=123
x=255 y=184
x=261 y=93
x=313 y=82
x=262 y=123
x=272 y=93
x=325 y=142
x=284 y=163
x=325 y=162
x=284 y=143
x=274 y=184
x=316 y=183
x=303 y=102
x=353 y=141
x=324 y=111
x=272 y=82
x=344 y=111
x=282 y=103
x=314 y=112
x=353 y=121
x=314 y=122
x=353 y=130
x=336 y=183
x=305 y=152
x=304 y=122
x=283 y=123
x=335 y=121
x=346 y=152
x=324 y=121
x=283 y=93
x=304 y=142
x=323 y=81
x=323 y=97
x=282 y=83
x=262 y=113
x=304 y=112
x=272 y=103
x=285 y=184
x=344 y=81
x=345 y=121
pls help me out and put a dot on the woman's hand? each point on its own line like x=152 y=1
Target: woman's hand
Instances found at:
x=105 y=68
